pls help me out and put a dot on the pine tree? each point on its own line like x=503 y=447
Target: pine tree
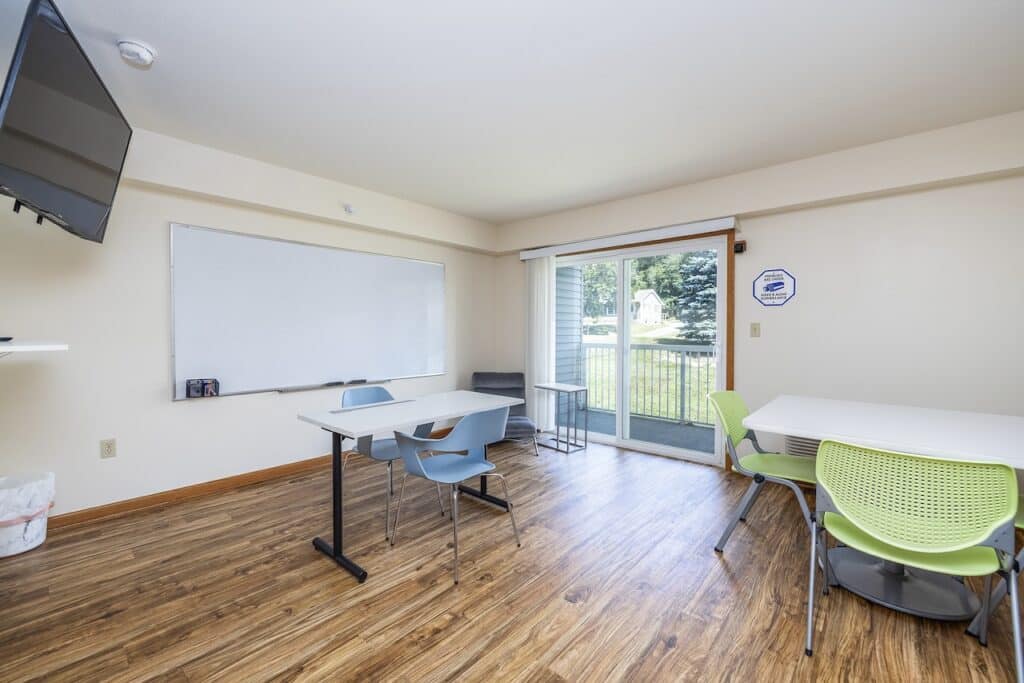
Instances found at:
x=699 y=291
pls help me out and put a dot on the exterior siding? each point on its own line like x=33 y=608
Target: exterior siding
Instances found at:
x=568 y=323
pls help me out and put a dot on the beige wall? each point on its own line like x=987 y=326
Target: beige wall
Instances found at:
x=985 y=148
x=910 y=297
x=167 y=162
x=510 y=313
x=913 y=299
x=111 y=303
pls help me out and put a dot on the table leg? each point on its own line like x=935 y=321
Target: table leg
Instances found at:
x=558 y=414
x=586 y=418
x=335 y=552
x=481 y=493
x=575 y=421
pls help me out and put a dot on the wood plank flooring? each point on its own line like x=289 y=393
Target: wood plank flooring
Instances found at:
x=616 y=580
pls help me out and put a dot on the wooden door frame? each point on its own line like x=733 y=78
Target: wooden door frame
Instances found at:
x=730 y=297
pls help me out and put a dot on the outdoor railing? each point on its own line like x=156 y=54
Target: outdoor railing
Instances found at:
x=666 y=381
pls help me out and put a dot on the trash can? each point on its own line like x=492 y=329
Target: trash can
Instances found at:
x=25 y=502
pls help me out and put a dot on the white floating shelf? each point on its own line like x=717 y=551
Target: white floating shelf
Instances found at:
x=18 y=346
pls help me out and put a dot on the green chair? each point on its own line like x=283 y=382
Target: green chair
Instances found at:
x=949 y=516
x=979 y=626
x=761 y=466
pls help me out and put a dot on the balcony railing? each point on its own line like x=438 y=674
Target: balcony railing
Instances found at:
x=666 y=381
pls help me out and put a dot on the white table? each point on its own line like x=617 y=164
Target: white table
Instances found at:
x=923 y=431
x=571 y=391
x=388 y=417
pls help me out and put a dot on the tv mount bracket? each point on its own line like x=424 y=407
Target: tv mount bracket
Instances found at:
x=17 y=209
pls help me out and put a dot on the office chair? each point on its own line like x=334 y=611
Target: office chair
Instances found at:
x=461 y=455
x=778 y=468
x=520 y=427
x=382 y=450
x=954 y=517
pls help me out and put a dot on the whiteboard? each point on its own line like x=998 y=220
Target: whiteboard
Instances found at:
x=261 y=314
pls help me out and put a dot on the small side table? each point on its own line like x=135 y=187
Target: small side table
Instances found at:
x=572 y=392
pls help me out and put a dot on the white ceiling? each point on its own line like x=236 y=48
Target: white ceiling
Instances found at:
x=508 y=110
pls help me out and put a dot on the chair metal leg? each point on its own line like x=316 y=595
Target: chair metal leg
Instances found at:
x=809 y=649
x=398 y=512
x=536 y=451
x=744 y=504
x=455 y=529
x=440 y=500
x=1015 y=606
x=389 y=485
x=750 y=503
x=511 y=512
x=825 y=563
x=986 y=607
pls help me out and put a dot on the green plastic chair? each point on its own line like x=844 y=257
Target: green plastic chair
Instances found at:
x=979 y=626
x=950 y=516
x=761 y=466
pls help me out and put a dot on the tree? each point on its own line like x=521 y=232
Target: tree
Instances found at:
x=660 y=273
x=699 y=295
x=600 y=285
x=686 y=283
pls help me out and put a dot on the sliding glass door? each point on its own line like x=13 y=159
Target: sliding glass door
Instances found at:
x=643 y=330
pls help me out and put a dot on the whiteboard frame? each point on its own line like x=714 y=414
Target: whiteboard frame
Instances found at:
x=305 y=387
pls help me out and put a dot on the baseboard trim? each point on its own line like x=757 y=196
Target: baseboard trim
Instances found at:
x=187 y=492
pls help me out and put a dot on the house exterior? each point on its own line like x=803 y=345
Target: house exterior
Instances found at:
x=647 y=307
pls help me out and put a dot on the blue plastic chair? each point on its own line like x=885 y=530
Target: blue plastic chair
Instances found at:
x=459 y=456
x=382 y=450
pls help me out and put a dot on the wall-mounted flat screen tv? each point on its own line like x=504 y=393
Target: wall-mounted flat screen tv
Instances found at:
x=63 y=139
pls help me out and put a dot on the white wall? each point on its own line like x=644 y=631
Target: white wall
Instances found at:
x=167 y=162
x=510 y=314
x=870 y=320
x=914 y=298
x=111 y=303
x=979 y=149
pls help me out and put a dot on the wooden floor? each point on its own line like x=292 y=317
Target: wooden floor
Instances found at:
x=616 y=580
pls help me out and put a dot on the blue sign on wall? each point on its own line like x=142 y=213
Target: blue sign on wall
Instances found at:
x=774 y=287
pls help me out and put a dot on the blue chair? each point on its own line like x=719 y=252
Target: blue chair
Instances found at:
x=459 y=456
x=382 y=450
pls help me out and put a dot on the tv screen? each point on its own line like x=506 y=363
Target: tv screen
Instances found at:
x=62 y=138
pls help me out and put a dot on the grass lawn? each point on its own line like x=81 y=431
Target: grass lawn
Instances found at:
x=655 y=383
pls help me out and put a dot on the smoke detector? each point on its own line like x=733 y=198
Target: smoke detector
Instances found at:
x=136 y=53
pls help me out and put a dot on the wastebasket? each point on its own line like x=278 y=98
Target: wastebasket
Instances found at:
x=25 y=502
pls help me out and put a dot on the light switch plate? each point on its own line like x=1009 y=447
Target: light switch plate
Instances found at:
x=755 y=329
x=108 y=448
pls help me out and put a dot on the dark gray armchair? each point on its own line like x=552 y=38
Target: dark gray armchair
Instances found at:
x=519 y=426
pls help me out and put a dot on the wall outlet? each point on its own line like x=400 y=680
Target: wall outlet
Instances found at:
x=108 y=448
x=755 y=329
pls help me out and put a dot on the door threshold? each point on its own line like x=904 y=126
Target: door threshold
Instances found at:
x=658 y=449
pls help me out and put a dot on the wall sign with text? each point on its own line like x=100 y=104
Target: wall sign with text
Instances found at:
x=774 y=287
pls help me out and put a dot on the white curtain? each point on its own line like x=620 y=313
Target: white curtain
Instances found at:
x=540 y=339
